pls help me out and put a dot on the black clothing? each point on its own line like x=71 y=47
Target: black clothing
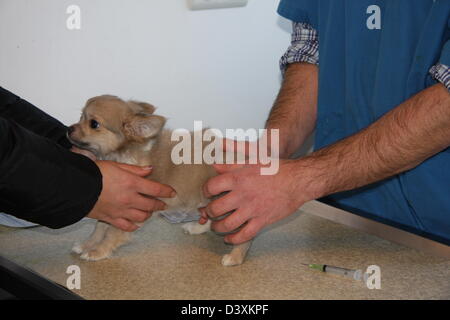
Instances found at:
x=40 y=179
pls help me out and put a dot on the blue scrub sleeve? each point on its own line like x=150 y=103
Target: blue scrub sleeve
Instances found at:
x=445 y=54
x=304 y=11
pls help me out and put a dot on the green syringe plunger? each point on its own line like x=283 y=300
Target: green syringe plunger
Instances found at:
x=349 y=273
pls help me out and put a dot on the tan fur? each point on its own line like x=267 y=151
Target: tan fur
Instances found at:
x=130 y=133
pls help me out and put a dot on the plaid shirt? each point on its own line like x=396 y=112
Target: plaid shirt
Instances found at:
x=305 y=48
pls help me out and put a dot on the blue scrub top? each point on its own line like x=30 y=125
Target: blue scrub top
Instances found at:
x=364 y=73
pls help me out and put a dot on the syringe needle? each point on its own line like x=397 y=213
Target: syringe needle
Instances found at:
x=305 y=264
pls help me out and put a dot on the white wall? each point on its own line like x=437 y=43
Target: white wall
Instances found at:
x=219 y=66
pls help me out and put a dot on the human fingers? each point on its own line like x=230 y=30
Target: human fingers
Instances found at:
x=136 y=216
x=147 y=204
x=124 y=224
x=218 y=184
x=203 y=216
x=222 y=205
x=247 y=233
x=231 y=222
x=154 y=189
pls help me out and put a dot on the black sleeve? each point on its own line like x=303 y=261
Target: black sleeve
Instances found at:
x=28 y=116
x=40 y=180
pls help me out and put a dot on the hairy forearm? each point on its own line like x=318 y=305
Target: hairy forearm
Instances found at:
x=398 y=141
x=295 y=109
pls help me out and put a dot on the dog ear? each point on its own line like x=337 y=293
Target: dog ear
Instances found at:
x=144 y=106
x=143 y=126
x=105 y=96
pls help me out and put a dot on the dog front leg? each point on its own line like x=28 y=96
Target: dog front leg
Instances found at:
x=97 y=235
x=113 y=239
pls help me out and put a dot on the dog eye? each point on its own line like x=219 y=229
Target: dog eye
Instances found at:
x=95 y=124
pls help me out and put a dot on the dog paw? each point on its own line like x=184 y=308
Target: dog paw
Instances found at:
x=195 y=228
x=95 y=255
x=77 y=248
x=230 y=260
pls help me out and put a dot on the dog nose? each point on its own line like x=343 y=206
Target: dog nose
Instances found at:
x=71 y=129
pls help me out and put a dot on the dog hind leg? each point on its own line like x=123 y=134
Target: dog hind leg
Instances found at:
x=196 y=228
x=237 y=254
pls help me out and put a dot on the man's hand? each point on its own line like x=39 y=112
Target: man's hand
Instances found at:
x=400 y=140
x=127 y=197
x=258 y=200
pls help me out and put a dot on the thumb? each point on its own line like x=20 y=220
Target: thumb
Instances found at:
x=140 y=171
x=223 y=168
x=203 y=216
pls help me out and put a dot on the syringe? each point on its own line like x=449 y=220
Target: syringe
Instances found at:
x=349 y=273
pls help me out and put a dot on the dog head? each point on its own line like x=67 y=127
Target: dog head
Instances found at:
x=108 y=123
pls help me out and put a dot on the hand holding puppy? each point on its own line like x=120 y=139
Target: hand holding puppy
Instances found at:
x=254 y=200
x=257 y=200
x=124 y=200
x=133 y=208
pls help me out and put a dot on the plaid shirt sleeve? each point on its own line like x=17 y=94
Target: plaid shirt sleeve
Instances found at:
x=441 y=73
x=304 y=46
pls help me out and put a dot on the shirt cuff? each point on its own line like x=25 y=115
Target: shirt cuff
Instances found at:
x=441 y=73
x=304 y=46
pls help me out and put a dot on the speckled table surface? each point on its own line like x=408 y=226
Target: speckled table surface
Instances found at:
x=162 y=262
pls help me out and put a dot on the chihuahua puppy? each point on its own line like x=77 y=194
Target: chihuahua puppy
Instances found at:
x=130 y=132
